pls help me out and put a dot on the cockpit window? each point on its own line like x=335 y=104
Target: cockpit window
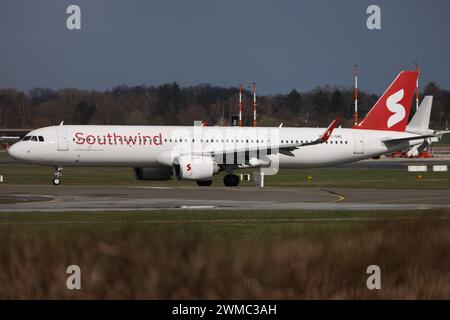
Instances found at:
x=33 y=138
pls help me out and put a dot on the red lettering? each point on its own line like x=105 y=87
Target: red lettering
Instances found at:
x=118 y=139
x=100 y=140
x=90 y=139
x=157 y=140
x=80 y=139
x=130 y=140
x=109 y=136
x=147 y=138
x=115 y=139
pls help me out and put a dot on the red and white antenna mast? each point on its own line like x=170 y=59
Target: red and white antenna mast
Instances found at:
x=417 y=87
x=240 y=105
x=356 y=95
x=254 y=104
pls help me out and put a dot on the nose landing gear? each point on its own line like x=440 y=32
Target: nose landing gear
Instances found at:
x=57 y=176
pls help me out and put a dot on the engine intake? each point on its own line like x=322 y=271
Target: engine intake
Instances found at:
x=195 y=168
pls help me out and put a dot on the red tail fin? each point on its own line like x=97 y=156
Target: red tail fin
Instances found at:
x=391 y=112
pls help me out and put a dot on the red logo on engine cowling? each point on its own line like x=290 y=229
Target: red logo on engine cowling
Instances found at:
x=188 y=166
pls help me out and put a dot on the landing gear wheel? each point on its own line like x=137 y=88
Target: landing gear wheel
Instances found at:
x=231 y=180
x=204 y=183
x=57 y=175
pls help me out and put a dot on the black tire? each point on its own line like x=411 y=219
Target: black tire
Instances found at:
x=204 y=183
x=56 y=181
x=231 y=180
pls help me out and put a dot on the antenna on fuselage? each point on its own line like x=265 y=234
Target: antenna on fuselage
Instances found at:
x=62 y=123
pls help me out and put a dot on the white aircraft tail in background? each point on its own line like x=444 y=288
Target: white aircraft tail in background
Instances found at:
x=420 y=122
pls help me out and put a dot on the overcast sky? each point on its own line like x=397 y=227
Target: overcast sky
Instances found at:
x=280 y=45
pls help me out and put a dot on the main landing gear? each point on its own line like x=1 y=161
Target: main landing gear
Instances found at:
x=231 y=180
x=57 y=176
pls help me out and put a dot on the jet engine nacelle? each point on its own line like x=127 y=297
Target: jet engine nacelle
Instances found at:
x=194 y=168
x=153 y=173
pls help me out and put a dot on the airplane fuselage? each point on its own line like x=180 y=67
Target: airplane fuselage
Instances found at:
x=156 y=146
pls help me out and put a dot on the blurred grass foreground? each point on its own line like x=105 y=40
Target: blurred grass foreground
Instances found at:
x=229 y=255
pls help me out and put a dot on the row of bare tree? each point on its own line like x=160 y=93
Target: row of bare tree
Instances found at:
x=171 y=104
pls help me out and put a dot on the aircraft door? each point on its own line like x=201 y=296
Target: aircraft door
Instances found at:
x=63 y=143
x=358 y=143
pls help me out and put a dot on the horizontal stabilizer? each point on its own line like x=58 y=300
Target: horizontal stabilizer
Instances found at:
x=398 y=140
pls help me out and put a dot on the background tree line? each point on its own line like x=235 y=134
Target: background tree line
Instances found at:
x=170 y=104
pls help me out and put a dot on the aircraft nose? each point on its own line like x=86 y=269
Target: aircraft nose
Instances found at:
x=15 y=151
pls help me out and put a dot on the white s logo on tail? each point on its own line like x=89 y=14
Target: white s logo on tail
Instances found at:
x=396 y=108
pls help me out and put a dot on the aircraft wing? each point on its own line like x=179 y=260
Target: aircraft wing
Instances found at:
x=10 y=136
x=323 y=138
x=442 y=132
x=6 y=141
x=283 y=148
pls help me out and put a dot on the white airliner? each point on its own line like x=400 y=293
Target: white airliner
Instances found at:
x=198 y=153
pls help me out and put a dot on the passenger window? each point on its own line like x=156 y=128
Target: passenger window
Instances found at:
x=41 y=138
